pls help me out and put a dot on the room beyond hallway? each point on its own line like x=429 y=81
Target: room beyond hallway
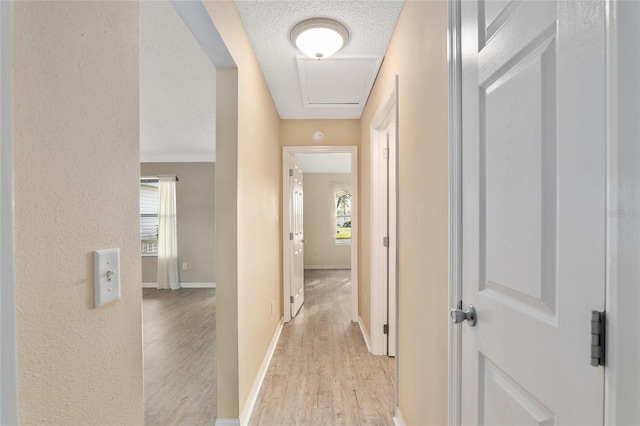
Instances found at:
x=179 y=330
x=321 y=372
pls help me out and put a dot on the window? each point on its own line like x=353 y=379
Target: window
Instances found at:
x=343 y=216
x=149 y=219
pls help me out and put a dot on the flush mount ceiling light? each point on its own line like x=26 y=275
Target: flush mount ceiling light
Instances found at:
x=319 y=38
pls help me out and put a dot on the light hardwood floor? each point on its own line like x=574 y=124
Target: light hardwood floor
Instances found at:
x=321 y=372
x=179 y=330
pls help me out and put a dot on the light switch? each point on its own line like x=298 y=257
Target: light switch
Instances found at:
x=106 y=275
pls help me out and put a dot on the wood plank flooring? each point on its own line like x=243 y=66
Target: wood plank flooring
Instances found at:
x=179 y=330
x=321 y=372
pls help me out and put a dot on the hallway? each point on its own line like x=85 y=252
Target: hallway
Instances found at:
x=321 y=372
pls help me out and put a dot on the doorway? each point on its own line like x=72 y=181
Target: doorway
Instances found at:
x=290 y=206
x=183 y=93
x=384 y=225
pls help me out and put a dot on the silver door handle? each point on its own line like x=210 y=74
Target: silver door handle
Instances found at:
x=458 y=315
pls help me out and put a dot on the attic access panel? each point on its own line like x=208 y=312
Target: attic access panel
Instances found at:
x=335 y=82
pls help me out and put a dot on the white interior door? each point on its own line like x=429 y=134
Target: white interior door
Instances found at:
x=533 y=185
x=296 y=235
x=392 y=202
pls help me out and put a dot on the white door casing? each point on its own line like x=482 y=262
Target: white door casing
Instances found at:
x=392 y=207
x=296 y=235
x=533 y=197
x=287 y=153
x=384 y=279
x=622 y=392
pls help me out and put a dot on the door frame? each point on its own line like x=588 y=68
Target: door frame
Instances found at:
x=622 y=211
x=454 y=26
x=385 y=116
x=8 y=354
x=287 y=152
x=622 y=182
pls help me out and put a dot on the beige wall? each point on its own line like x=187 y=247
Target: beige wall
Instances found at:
x=336 y=132
x=256 y=171
x=320 y=249
x=227 y=243
x=76 y=166
x=195 y=202
x=418 y=54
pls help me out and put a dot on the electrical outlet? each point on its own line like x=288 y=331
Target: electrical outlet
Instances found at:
x=184 y=266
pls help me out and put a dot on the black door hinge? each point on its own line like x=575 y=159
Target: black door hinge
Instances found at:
x=290 y=299
x=290 y=172
x=385 y=329
x=598 y=338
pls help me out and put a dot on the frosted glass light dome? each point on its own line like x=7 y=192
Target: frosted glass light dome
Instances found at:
x=319 y=38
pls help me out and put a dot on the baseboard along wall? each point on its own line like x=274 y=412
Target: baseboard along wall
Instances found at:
x=397 y=419
x=327 y=267
x=227 y=422
x=257 y=383
x=365 y=335
x=183 y=285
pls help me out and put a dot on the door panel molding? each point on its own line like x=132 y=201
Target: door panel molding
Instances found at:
x=518 y=84
x=296 y=234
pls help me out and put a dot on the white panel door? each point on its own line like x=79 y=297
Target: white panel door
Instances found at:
x=297 y=236
x=533 y=177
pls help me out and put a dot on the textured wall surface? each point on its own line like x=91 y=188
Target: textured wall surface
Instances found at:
x=418 y=55
x=195 y=199
x=227 y=244
x=336 y=132
x=257 y=211
x=75 y=103
x=320 y=248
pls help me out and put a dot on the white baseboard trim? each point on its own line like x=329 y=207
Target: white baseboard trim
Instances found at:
x=327 y=267
x=257 y=383
x=397 y=419
x=365 y=335
x=198 y=285
x=227 y=422
x=183 y=285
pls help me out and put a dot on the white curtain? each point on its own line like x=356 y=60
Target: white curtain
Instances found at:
x=167 y=234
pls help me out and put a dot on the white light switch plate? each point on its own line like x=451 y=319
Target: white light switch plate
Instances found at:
x=106 y=275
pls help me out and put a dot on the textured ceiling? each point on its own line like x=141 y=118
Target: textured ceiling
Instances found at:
x=180 y=48
x=268 y=23
x=177 y=87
